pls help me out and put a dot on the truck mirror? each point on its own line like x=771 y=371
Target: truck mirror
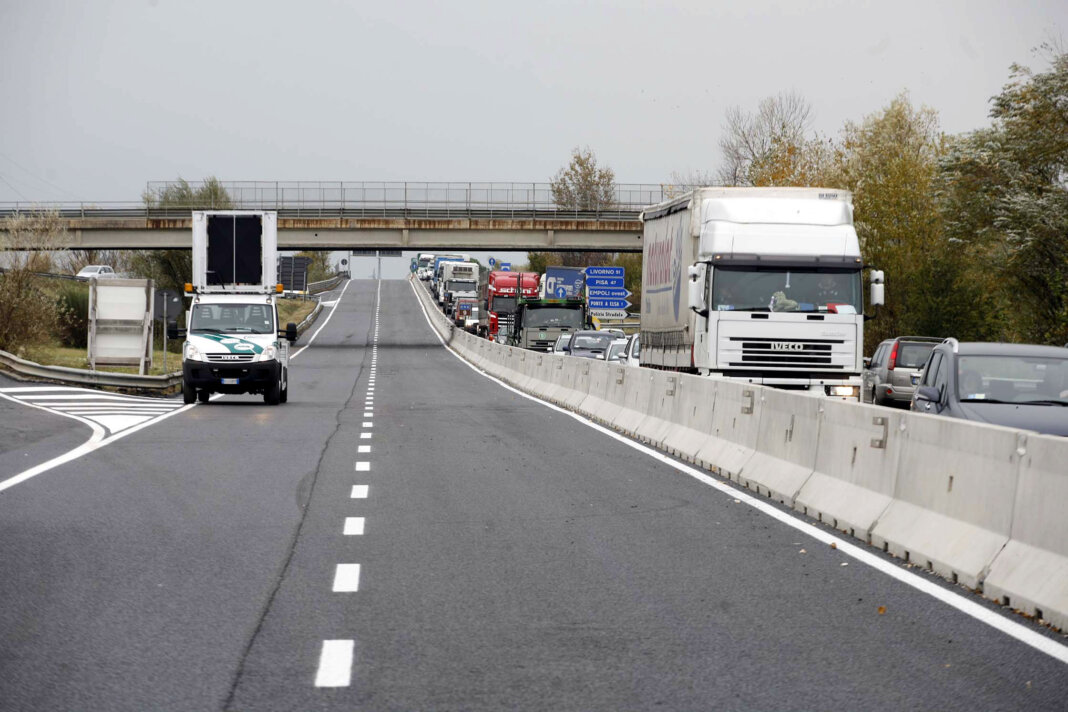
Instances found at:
x=291 y=332
x=877 y=294
x=696 y=287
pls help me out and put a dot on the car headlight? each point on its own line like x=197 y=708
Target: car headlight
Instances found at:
x=192 y=353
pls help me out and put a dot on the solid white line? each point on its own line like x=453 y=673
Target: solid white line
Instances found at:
x=360 y=491
x=353 y=526
x=335 y=663
x=347 y=578
x=363 y=466
x=325 y=322
x=365 y=436
x=969 y=607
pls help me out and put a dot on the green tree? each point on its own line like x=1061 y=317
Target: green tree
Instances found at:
x=29 y=243
x=581 y=185
x=889 y=161
x=171 y=269
x=1005 y=194
x=319 y=268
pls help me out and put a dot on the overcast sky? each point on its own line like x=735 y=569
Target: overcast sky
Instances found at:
x=100 y=97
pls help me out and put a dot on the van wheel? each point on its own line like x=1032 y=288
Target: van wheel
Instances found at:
x=283 y=396
x=273 y=393
x=203 y=396
x=189 y=394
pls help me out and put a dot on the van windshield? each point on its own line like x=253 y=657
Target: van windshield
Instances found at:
x=784 y=289
x=232 y=318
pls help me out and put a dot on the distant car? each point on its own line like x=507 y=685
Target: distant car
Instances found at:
x=632 y=352
x=614 y=352
x=562 y=344
x=1016 y=385
x=891 y=376
x=90 y=271
x=591 y=344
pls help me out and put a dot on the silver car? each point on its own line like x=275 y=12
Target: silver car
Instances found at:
x=891 y=375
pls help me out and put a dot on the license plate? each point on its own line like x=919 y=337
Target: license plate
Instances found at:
x=230 y=381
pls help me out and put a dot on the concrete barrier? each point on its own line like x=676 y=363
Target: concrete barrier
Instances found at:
x=662 y=399
x=595 y=405
x=732 y=436
x=1031 y=572
x=785 y=452
x=636 y=393
x=856 y=466
x=692 y=417
x=576 y=382
x=540 y=375
x=953 y=500
x=556 y=379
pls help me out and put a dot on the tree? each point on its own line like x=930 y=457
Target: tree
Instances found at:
x=1007 y=188
x=582 y=186
x=773 y=146
x=171 y=269
x=319 y=268
x=28 y=243
x=889 y=161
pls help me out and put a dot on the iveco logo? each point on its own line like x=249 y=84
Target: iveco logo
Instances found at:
x=786 y=346
x=229 y=357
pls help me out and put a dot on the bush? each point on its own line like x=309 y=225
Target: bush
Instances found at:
x=72 y=315
x=27 y=312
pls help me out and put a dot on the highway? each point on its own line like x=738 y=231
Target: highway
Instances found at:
x=407 y=533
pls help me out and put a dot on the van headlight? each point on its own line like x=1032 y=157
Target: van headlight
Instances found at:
x=192 y=353
x=269 y=353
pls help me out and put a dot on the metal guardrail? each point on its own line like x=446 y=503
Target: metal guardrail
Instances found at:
x=325 y=285
x=377 y=199
x=66 y=374
x=310 y=319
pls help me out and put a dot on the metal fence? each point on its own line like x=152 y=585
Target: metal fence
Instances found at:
x=375 y=199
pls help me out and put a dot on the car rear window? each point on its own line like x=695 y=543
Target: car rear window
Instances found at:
x=913 y=355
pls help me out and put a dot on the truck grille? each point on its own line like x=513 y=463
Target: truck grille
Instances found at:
x=786 y=353
x=230 y=358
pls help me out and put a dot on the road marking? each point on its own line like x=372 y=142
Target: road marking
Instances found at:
x=368 y=424
x=360 y=491
x=335 y=663
x=113 y=412
x=347 y=578
x=365 y=448
x=365 y=436
x=353 y=526
x=1015 y=630
x=368 y=413
x=363 y=466
x=325 y=322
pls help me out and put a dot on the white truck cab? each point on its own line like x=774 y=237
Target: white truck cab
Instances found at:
x=233 y=339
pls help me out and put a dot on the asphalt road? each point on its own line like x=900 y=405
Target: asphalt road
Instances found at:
x=508 y=557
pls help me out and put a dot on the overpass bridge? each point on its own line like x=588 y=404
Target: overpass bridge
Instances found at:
x=374 y=215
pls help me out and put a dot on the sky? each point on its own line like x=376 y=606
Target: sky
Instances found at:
x=101 y=97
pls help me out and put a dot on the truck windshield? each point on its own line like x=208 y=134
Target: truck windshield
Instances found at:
x=460 y=285
x=548 y=317
x=805 y=289
x=504 y=305
x=232 y=318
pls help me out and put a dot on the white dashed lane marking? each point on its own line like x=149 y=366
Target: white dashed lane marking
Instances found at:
x=335 y=663
x=353 y=526
x=347 y=578
x=360 y=491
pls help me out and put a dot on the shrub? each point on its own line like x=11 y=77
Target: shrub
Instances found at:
x=72 y=315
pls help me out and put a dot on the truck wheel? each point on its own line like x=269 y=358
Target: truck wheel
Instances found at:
x=203 y=396
x=283 y=396
x=189 y=394
x=273 y=393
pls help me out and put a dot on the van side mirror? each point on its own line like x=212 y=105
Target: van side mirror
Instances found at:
x=291 y=332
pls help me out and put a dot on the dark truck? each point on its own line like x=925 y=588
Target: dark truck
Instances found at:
x=538 y=322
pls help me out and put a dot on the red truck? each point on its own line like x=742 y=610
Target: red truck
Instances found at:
x=498 y=301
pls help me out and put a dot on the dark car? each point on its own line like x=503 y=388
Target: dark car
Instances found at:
x=894 y=370
x=591 y=344
x=1021 y=386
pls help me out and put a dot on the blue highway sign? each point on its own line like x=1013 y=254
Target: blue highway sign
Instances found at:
x=609 y=282
x=608 y=303
x=605 y=272
x=492 y=261
x=506 y=266
x=607 y=293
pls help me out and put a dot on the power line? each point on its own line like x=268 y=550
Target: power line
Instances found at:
x=8 y=184
x=36 y=177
